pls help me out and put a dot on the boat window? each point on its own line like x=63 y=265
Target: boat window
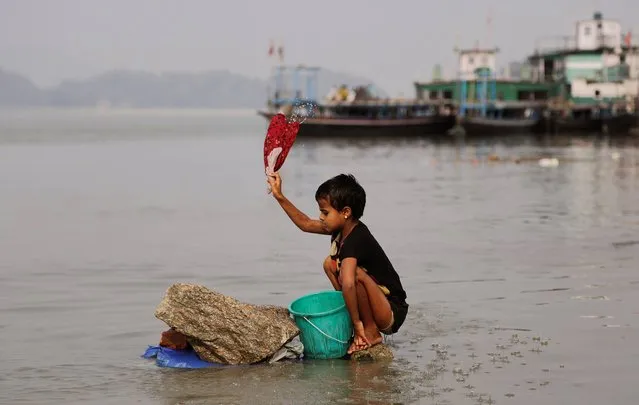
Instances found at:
x=587 y=30
x=541 y=95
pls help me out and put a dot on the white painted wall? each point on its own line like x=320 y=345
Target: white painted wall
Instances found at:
x=580 y=88
x=469 y=61
x=610 y=59
x=632 y=59
x=590 y=36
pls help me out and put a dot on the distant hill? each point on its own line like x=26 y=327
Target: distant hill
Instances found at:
x=126 y=88
x=19 y=91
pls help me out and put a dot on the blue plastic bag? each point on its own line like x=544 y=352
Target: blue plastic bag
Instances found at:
x=165 y=357
x=188 y=358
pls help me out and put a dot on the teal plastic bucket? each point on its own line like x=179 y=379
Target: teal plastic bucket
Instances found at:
x=325 y=324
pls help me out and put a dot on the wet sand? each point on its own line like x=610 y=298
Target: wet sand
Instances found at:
x=521 y=278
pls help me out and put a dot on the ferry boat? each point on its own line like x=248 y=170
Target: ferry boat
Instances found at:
x=594 y=75
x=588 y=82
x=354 y=111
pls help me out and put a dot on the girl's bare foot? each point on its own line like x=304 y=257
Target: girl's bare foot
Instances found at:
x=357 y=346
x=374 y=337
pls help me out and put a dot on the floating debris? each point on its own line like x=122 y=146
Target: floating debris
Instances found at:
x=596 y=316
x=514 y=329
x=626 y=243
x=586 y=297
x=552 y=162
x=544 y=290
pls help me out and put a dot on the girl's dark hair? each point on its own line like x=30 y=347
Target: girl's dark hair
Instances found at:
x=343 y=191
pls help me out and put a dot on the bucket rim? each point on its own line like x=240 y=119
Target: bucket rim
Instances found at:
x=307 y=314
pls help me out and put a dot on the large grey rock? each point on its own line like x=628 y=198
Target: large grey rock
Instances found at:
x=222 y=329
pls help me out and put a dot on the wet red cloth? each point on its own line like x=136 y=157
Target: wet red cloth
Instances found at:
x=173 y=340
x=280 y=134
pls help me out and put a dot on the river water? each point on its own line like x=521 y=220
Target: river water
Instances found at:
x=522 y=279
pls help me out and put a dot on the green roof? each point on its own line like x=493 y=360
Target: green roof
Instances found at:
x=567 y=52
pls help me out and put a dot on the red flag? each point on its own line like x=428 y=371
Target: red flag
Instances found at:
x=271 y=49
x=628 y=38
x=280 y=137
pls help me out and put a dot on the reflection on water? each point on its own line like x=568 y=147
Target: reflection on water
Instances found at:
x=316 y=382
x=521 y=278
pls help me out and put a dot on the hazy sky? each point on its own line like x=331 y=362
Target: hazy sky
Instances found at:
x=390 y=42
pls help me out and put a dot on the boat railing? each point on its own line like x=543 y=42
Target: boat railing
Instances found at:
x=378 y=115
x=555 y=44
x=568 y=43
x=568 y=105
x=507 y=104
x=383 y=103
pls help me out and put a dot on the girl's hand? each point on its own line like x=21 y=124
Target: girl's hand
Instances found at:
x=360 y=341
x=275 y=184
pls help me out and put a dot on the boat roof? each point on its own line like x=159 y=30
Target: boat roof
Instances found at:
x=562 y=52
x=380 y=102
x=522 y=82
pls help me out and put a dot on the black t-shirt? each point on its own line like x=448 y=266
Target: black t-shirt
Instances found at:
x=370 y=256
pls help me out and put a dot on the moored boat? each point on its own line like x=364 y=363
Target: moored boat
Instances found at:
x=585 y=83
x=369 y=120
x=503 y=119
x=591 y=119
x=357 y=111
